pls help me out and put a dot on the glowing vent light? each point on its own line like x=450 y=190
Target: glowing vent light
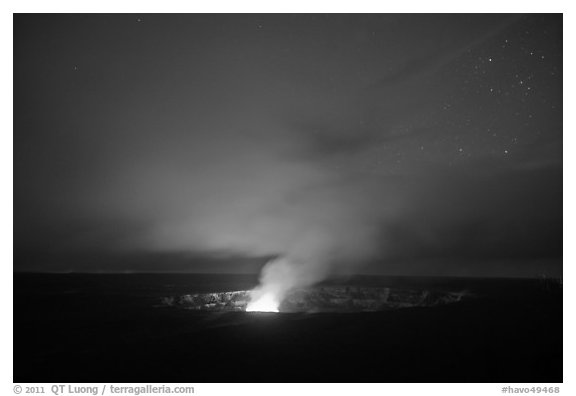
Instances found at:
x=264 y=303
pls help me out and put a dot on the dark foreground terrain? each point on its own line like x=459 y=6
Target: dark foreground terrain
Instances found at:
x=116 y=328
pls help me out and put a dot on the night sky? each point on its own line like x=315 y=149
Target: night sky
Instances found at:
x=382 y=143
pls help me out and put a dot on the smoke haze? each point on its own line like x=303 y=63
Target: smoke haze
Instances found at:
x=333 y=143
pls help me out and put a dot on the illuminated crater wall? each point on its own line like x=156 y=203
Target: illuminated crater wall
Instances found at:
x=321 y=299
